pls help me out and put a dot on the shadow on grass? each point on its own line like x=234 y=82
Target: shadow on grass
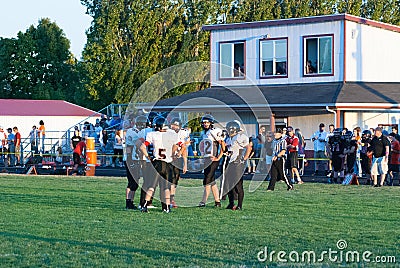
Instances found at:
x=148 y=252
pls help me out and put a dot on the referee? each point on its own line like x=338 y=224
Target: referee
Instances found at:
x=278 y=161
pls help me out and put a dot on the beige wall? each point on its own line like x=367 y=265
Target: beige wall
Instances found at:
x=309 y=124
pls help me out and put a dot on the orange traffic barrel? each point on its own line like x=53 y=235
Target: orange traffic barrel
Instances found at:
x=91 y=157
x=90 y=143
x=90 y=169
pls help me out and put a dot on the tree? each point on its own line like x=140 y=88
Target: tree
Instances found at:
x=38 y=64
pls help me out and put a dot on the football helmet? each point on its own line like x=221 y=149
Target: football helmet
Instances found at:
x=367 y=133
x=159 y=123
x=207 y=118
x=141 y=122
x=233 y=128
x=176 y=121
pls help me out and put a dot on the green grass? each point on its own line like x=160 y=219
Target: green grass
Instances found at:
x=81 y=222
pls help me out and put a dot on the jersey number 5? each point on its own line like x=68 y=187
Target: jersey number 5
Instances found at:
x=161 y=153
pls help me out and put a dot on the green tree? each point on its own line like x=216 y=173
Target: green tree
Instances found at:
x=38 y=64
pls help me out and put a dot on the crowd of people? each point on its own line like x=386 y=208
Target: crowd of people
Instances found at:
x=347 y=155
x=11 y=142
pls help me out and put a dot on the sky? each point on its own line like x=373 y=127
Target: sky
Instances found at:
x=69 y=15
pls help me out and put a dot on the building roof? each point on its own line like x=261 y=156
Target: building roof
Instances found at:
x=289 y=99
x=22 y=107
x=304 y=20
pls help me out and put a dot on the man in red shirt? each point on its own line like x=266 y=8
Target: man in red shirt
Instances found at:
x=292 y=149
x=394 y=162
x=80 y=150
x=17 y=143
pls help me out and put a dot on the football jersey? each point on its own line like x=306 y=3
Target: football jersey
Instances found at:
x=211 y=139
x=142 y=136
x=162 y=144
x=131 y=138
x=183 y=137
x=337 y=145
x=236 y=146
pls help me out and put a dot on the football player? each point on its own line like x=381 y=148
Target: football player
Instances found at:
x=213 y=149
x=239 y=149
x=366 y=162
x=165 y=144
x=132 y=164
x=335 y=150
x=144 y=123
x=179 y=162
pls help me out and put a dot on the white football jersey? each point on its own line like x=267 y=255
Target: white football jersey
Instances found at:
x=142 y=135
x=131 y=138
x=236 y=146
x=210 y=140
x=162 y=143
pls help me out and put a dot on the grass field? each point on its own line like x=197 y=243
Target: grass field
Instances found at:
x=81 y=222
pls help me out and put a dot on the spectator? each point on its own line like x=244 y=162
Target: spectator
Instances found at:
x=103 y=122
x=97 y=129
x=59 y=156
x=251 y=162
x=394 y=161
x=103 y=139
x=309 y=68
x=261 y=148
x=3 y=144
x=319 y=139
x=395 y=133
x=76 y=138
x=357 y=138
x=79 y=151
x=330 y=134
x=17 y=144
x=11 y=147
x=42 y=133
x=302 y=141
x=116 y=122
x=379 y=148
x=292 y=149
x=118 y=150
x=34 y=140
x=268 y=153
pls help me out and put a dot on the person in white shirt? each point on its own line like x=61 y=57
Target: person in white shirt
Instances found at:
x=132 y=164
x=180 y=159
x=213 y=147
x=319 y=139
x=165 y=145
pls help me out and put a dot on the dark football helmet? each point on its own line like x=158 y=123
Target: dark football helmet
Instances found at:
x=366 y=133
x=207 y=118
x=233 y=128
x=150 y=117
x=159 y=123
x=141 y=122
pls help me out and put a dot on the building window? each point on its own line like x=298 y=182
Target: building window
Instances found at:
x=232 y=60
x=318 y=55
x=273 y=58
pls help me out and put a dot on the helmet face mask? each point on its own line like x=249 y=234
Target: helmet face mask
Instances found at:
x=175 y=123
x=233 y=128
x=207 y=118
x=141 y=122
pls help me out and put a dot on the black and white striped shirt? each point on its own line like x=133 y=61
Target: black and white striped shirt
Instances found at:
x=278 y=146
